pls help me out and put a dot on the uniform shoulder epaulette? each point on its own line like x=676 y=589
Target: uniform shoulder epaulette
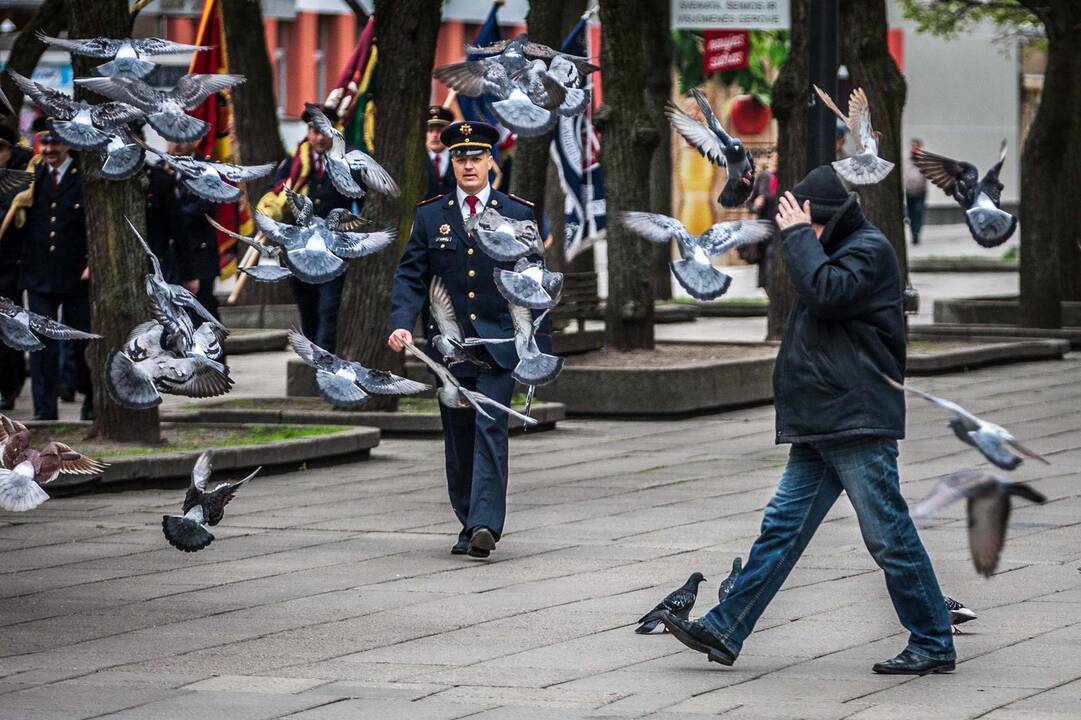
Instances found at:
x=430 y=200
x=521 y=200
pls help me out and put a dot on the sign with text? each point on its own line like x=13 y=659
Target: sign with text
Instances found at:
x=730 y=14
x=724 y=50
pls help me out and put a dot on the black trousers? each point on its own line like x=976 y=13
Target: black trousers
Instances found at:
x=318 y=307
x=45 y=363
x=12 y=362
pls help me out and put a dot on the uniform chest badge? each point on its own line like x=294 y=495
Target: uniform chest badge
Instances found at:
x=444 y=229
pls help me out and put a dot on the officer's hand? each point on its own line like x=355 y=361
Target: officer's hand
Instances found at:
x=85 y=275
x=399 y=339
x=790 y=214
x=192 y=286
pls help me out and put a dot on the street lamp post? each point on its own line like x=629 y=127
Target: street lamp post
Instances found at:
x=821 y=124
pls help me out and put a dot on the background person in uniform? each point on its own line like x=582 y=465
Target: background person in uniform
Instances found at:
x=440 y=172
x=915 y=192
x=476 y=447
x=12 y=362
x=53 y=268
x=304 y=172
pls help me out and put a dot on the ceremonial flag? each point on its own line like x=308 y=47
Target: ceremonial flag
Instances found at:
x=576 y=151
x=217 y=111
x=354 y=94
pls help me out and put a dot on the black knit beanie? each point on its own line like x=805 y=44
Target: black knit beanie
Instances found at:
x=825 y=191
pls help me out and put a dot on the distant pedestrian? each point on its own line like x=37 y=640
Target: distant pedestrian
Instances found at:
x=12 y=362
x=764 y=204
x=915 y=191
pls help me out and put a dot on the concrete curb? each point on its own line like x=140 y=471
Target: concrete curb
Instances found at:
x=1000 y=310
x=723 y=309
x=253 y=341
x=968 y=265
x=995 y=333
x=989 y=351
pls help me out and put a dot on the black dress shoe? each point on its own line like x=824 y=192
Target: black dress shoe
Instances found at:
x=481 y=542
x=86 y=413
x=697 y=636
x=66 y=394
x=909 y=663
x=461 y=547
x=45 y=417
x=7 y=403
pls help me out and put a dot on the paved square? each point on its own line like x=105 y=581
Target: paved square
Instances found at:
x=331 y=593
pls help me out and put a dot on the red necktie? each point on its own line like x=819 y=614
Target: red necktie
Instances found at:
x=319 y=166
x=472 y=200
x=435 y=160
x=55 y=178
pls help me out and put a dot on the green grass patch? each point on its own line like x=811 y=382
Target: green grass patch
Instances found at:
x=1011 y=253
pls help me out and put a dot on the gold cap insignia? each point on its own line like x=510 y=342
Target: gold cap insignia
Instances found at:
x=465 y=129
x=444 y=229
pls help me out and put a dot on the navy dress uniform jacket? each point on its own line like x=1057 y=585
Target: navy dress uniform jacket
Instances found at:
x=439 y=245
x=54 y=235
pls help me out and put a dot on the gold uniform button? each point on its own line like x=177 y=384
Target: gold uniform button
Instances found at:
x=53 y=205
x=472 y=316
x=472 y=273
x=472 y=294
x=52 y=219
x=52 y=248
x=317 y=201
x=52 y=233
x=76 y=206
x=469 y=251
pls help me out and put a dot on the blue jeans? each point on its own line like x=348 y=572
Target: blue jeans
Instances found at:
x=865 y=468
x=914 y=205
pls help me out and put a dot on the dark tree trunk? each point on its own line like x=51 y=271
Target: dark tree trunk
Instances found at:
x=117 y=262
x=864 y=51
x=790 y=95
x=630 y=136
x=658 y=92
x=405 y=32
x=50 y=19
x=1050 y=215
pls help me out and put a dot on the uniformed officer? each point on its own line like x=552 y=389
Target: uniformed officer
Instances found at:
x=476 y=447
x=440 y=173
x=53 y=267
x=12 y=362
x=305 y=172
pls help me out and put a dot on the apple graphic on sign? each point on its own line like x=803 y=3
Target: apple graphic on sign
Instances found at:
x=749 y=116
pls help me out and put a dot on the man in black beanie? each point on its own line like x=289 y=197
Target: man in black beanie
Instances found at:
x=844 y=337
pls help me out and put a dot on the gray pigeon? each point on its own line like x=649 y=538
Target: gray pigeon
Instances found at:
x=341 y=165
x=165 y=109
x=865 y=167
x=529 y=285
x=989 y=500
x=993 y=441
x=534 y=367
x=695 y=272
x=127 y=53
x=717 y=146
x=987 y=222
x=451 y=393
x=121 y=158
x=504 y=239
x=959 y=614
x=678 y=603
x=78 y=123
x=19 y=328
x=188 y=532
x=207 y=178
x=449 y=340
x=726 y=585
x=344 y=383
x=269 y=268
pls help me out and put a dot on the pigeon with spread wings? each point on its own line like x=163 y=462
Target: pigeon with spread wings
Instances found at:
x=865 y=167
x=449 y=338
x=534 y=367
x=504 y=239
x=201 y=507
x=23 y=470
x=695 y=272
x=211 y=180
x=529 y=284
x=716 y=145
x=19 y=328
x=343 y=164
x=989 y=224
x=125 y=54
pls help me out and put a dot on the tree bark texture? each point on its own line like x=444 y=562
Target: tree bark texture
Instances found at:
x=405 y=33
x=118 y=264
x=630 y=136
x=658 y=92
x=791 y=94
x=862 y=47
x=1050 y=214
x=51 y=18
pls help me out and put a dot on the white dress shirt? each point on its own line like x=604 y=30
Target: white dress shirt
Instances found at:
x=482 y=196
x=61 y=169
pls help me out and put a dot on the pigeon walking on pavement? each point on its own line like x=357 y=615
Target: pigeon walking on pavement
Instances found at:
x=959 y=614
x=716 y=145
x=201 y=507
x=726 y=585
x=19 y=328
x=694 y=271
x=678 y=602
x=989 y=502
x=992 y=440
x=865 y=167
x=125 y=55
x=23 y=470
x=989 y=224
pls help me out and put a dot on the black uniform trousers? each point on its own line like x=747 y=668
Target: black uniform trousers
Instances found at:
x=12 y=362
x=45 y=363
x=318 y=308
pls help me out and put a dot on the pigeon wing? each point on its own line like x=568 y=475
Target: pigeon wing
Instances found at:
x=951 y=488
x=312 y=354
x=859 y=118
x=241 y=173
x=494 y=48
x=465 y=77
x=698 y=135
x=14 y=181
x=285 y=235
x=954 y=177
x=113 y=115
x=200 y=472
x=725 y=236
x=52 y=102
x=373 y=175
x=832 y=106
x=57 y=331
x=73 y=462
x=653 y=226
x=192 y=90
x=160 y=46
x=101 y=48
x=442 y=310
x=990 y=183
x=133 y=92
x=214 y=502
x=192 y=377
x=341 y=220
x=988 y=516
x=381 y=382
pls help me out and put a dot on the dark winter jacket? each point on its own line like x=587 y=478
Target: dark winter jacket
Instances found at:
x=845 y=331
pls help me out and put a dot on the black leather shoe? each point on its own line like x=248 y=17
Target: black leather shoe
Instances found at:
x=45 y=417
x=86 y=413
x=697 y=636
x=481 y=543
x=909 y=663
x=460 y=548
x=66 y=394
x=7 y=403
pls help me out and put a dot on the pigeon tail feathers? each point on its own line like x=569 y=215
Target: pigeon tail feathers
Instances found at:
x=990 y=226
x=185 y=534
x=79 y=135
x=19 y=492
x=703 y=282
x=523 y=117
x=128 y=385
x=538 y=369
x=863 y=169
x=125 y=67
x=178 y=127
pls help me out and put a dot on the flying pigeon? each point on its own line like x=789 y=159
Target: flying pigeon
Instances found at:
x=127 y=53
x=504 y=239
x=121 y=157
x=136 y=375
x=344 y=383
x=449 y=341
x=865 y=167
x=534 y=367
x=989 y=503
x=451 y=393
x=959 y=614
x=717 y=146
x=726 y=584
x=19 y=328
x=992 y=440
x=304 y=250
x=78 y=123
x=341 y=165
x=988 y=224
x=678 y=603
x=188 y=532
x=529 y=285
x=695 y=272
x=269 y=268
x=207 y=178
x=531 y=51
x=13 y=181
x=24 y=470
